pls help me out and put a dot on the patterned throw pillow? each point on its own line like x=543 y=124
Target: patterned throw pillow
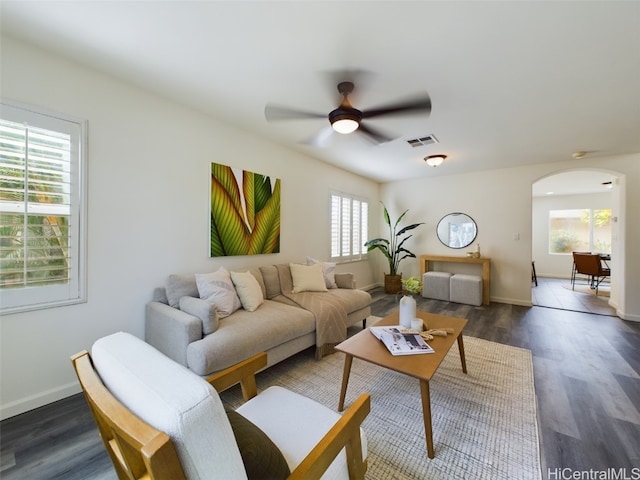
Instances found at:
x=217 y=287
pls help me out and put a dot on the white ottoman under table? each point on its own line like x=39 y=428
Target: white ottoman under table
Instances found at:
x=466 y=289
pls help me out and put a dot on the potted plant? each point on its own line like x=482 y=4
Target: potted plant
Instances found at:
x=393 y=249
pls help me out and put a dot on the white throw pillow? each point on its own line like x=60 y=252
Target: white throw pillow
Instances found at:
x=307 y=278
x=248 y=290
x=328 y=271
x=217 y=287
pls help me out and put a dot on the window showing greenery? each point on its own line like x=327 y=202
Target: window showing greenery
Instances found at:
x=41 y=228
x=580 y=230
x=349 y=227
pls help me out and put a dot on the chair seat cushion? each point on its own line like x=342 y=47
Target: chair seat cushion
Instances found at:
x=296 y=424
x=261 y=457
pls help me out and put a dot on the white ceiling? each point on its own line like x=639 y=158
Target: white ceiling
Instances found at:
x=511 y=83
x=574 y=183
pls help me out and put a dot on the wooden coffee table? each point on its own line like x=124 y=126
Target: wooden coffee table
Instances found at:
x=365 y=346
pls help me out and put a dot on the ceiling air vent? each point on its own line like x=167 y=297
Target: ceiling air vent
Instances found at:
x=426 y=140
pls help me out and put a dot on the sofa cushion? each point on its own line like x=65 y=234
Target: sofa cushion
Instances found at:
x=261 y=457
x=307 y=278
x=351 y=299
x=160 y=295
x=248 y=289
x=217 y=287
x=172 y=399
x=246 y=333
x=255 y=271
x=345 y=280
x=178 y=286
x=204 y=310
x=328 y=271
x=271 y=280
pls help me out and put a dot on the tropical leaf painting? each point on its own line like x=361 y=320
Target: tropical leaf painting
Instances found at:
x=245 y=212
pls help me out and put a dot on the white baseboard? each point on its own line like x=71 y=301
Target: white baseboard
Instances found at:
x=628 y=316
x=512 y=301
x=31 y=402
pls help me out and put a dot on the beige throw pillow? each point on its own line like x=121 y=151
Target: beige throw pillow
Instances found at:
x=217 y=287
x=248 y=290
x=307 y=278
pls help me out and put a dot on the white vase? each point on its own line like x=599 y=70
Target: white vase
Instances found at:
x=407 y=310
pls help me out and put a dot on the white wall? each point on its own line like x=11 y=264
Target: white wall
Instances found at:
x=149 y=165
x=500 y=201
x=558 y=265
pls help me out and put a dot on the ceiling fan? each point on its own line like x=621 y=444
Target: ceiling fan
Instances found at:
x=347 y=119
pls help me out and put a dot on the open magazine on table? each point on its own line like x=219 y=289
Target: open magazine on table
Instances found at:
x=400 y=342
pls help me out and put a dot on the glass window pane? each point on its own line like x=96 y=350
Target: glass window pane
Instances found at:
x=602 y=231
x=569 y=231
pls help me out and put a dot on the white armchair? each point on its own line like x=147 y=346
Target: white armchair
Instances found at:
x=159 y=419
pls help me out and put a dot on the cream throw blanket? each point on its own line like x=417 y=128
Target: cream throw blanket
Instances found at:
x=331 y=317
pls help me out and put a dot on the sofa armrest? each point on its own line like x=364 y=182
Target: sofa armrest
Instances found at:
x=345 y=280
x=243 y=373
x=171 y=330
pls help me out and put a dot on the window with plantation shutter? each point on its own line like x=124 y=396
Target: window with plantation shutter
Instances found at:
x=349 y=227
x=41 y=209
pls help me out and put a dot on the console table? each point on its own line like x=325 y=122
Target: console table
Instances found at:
x=484 y=261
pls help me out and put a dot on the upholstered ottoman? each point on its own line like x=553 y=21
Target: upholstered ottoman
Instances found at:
x=436 y=285
x=466 y=289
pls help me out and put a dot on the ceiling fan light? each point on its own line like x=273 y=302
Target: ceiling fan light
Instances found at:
x=434 y=160
x=345 y=125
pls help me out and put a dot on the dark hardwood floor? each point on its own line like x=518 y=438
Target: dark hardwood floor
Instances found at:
x=557 y=293
x=587 y=378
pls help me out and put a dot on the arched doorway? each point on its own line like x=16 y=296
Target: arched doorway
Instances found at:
x=573 y=211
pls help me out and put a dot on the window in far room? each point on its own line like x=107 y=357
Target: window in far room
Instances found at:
x=580 y=230
x=42 y=224
x=349 y=227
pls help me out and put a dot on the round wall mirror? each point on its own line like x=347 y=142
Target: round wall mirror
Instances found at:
x=457 y=230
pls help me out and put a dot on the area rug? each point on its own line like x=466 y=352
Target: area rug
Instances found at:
x=484 y=423
x=603 y=290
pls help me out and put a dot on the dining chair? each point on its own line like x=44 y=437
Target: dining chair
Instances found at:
x=591 y=265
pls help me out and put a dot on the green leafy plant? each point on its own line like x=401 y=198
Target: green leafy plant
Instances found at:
x=243 y=222
x=412 y=285
x=392 y=248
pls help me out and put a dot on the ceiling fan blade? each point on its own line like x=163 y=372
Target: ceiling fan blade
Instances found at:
x=374 y=134
x=320 y=139
x=420 y=104
x=275 y=113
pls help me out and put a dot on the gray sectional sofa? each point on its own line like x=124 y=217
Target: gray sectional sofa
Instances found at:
x=187 y=329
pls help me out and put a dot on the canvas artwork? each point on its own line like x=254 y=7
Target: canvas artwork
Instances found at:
x=245 y=212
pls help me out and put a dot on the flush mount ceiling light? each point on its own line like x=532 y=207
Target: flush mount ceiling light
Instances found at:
x=579 y=155
x=434 y=160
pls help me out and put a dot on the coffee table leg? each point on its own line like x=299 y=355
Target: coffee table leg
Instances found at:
x=461 y=348
x=426 y=413
x=348 y=359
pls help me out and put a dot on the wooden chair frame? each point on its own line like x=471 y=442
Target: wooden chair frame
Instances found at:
x=139 y=451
